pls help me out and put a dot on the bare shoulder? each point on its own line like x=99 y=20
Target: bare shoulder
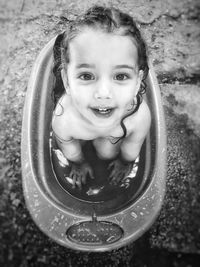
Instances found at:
x=141 y=121
x=61 y=119
x=144 y=114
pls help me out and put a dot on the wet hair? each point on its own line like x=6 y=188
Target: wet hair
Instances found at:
x=108 y=20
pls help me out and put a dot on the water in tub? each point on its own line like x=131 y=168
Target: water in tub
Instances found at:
x=98 y=189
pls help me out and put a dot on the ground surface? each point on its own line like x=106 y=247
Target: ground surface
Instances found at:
x=171 y=29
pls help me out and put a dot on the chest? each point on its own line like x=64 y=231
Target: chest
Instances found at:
x=83 y=130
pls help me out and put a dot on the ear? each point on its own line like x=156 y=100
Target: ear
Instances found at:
x=65 y=80
x=139 y=80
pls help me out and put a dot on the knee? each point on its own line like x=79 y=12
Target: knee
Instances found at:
x=106 y=154
x=105 y=150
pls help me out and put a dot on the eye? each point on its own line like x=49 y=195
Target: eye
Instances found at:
x=86 y=76
x=121 y=77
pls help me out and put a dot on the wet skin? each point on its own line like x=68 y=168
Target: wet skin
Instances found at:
x=101 y=82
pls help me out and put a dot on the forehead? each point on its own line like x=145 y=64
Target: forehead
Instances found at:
x=96 y=46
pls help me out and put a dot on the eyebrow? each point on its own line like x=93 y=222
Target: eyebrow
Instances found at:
x=85 y=65
x=124 y=67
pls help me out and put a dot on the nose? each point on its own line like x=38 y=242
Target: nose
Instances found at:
x=103 y=90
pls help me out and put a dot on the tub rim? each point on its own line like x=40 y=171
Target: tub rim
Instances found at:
x=37 y=201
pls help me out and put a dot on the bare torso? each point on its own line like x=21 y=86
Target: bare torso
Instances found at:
x=70 y=128
x=68 y=124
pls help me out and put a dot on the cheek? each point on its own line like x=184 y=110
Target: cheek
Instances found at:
x=80 y=97
x=126 y=95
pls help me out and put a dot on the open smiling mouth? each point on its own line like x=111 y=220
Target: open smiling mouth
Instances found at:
x=103 y=112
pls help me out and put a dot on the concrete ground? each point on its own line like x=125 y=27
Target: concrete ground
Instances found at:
x=172 y=32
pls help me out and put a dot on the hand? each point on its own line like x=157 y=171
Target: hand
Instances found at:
x=79 y=172
x=120 y=169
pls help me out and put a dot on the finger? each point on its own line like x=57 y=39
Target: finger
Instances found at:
x=78 y=183
x=72 y=175
x=113 y=182
x=74 y=181
x=119 y=178
x=111 y=165
x=84 y=179
x=112 y=176
x=115 y=177
x=91 y=174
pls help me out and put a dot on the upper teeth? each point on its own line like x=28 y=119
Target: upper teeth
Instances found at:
x=103 y=109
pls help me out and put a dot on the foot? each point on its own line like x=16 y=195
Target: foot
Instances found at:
x=79 y=173
x=119 y=170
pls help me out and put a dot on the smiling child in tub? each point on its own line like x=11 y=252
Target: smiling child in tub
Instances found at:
x=100 y=65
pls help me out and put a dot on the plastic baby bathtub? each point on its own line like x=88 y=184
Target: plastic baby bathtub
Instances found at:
x=97 y=218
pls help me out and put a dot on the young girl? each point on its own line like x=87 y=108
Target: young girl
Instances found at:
x=100 y=69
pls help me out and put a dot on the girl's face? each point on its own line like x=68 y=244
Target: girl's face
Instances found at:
x=102 y=76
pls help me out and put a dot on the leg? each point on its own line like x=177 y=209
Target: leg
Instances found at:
x=108 y=151
x=105 y=149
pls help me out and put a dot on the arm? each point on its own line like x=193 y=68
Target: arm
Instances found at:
x=69 y=146
x=79 y=167
x=123 y=164
x=72 y=150
x=131 y=145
